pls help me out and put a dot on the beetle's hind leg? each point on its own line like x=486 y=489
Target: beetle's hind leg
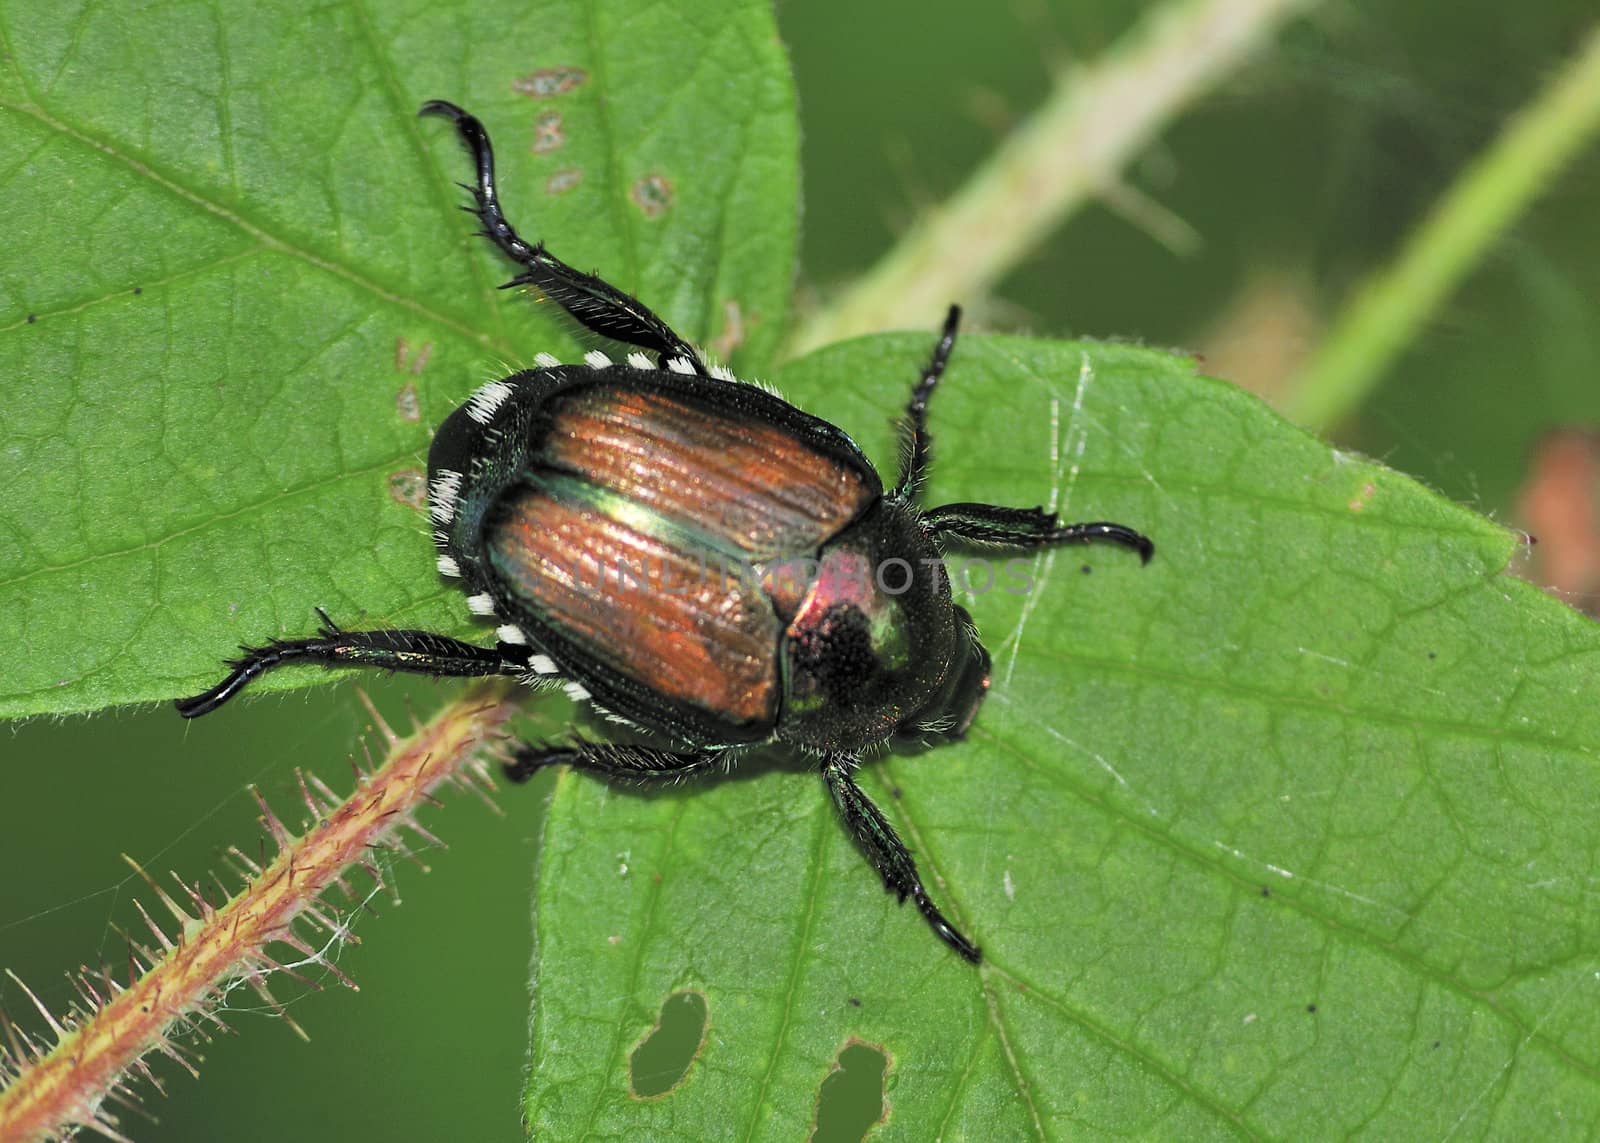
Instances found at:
x=593 y=302
x=1027 y=528
x=883 y=847
x=416 y=652
x=640 y=764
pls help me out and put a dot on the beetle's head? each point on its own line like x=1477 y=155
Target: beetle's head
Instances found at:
x=874 y=639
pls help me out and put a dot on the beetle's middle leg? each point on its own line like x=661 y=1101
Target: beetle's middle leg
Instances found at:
x=611 y=760
x=883 y=847
x=417 y=652
x=592 y=301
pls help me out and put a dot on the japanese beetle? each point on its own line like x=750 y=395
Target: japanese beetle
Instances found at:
x=659 y=468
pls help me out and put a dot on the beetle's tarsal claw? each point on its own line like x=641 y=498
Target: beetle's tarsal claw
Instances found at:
x=207 y=701
x=945 y=931
x=517 y=770
x=529 y=760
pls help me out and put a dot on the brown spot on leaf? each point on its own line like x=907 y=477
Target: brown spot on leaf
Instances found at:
x=563 y=181
x=547 y=133
x=1361 y=499
x=548 y=81
x=406 y=403
x=731 y=336
x=652 y=195
x=405 y=360
x=409 y=487
x=1560 y=504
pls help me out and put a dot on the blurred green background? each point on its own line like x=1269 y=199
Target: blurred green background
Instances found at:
x=1298 y=176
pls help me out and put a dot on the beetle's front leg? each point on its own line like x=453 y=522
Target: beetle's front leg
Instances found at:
x=883 y=847
x=916 y=448
x=638 y=764
x=1026 y=528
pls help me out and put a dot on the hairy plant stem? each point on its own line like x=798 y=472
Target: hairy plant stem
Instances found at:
x=53 y=1089
x=1097 y=119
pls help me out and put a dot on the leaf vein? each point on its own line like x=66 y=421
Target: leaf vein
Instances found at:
x=259 y=231
x=234 y=514
x=1358 y=937
x=821 y=832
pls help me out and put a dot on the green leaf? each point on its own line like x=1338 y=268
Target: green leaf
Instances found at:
x=246 y=295
x=1324 y=687
x=1289 y=833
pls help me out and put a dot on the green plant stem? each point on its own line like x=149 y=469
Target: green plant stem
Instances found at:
x=1386 y=313
x=1098 y=118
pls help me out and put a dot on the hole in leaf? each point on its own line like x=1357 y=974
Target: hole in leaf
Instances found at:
x=663 y=1057
x=851 y=1100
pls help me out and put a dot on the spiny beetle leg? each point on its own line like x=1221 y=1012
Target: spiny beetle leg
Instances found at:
x=1026 y=528
x=416 y=652
x=888 y=854
x=620 y=762
x=916 y=446
x=593 y=302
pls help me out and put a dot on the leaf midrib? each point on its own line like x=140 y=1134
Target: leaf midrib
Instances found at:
x=428 y=160
x=797 y=960
x=1134 y=669
x=655 y=890
x=259 y=231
